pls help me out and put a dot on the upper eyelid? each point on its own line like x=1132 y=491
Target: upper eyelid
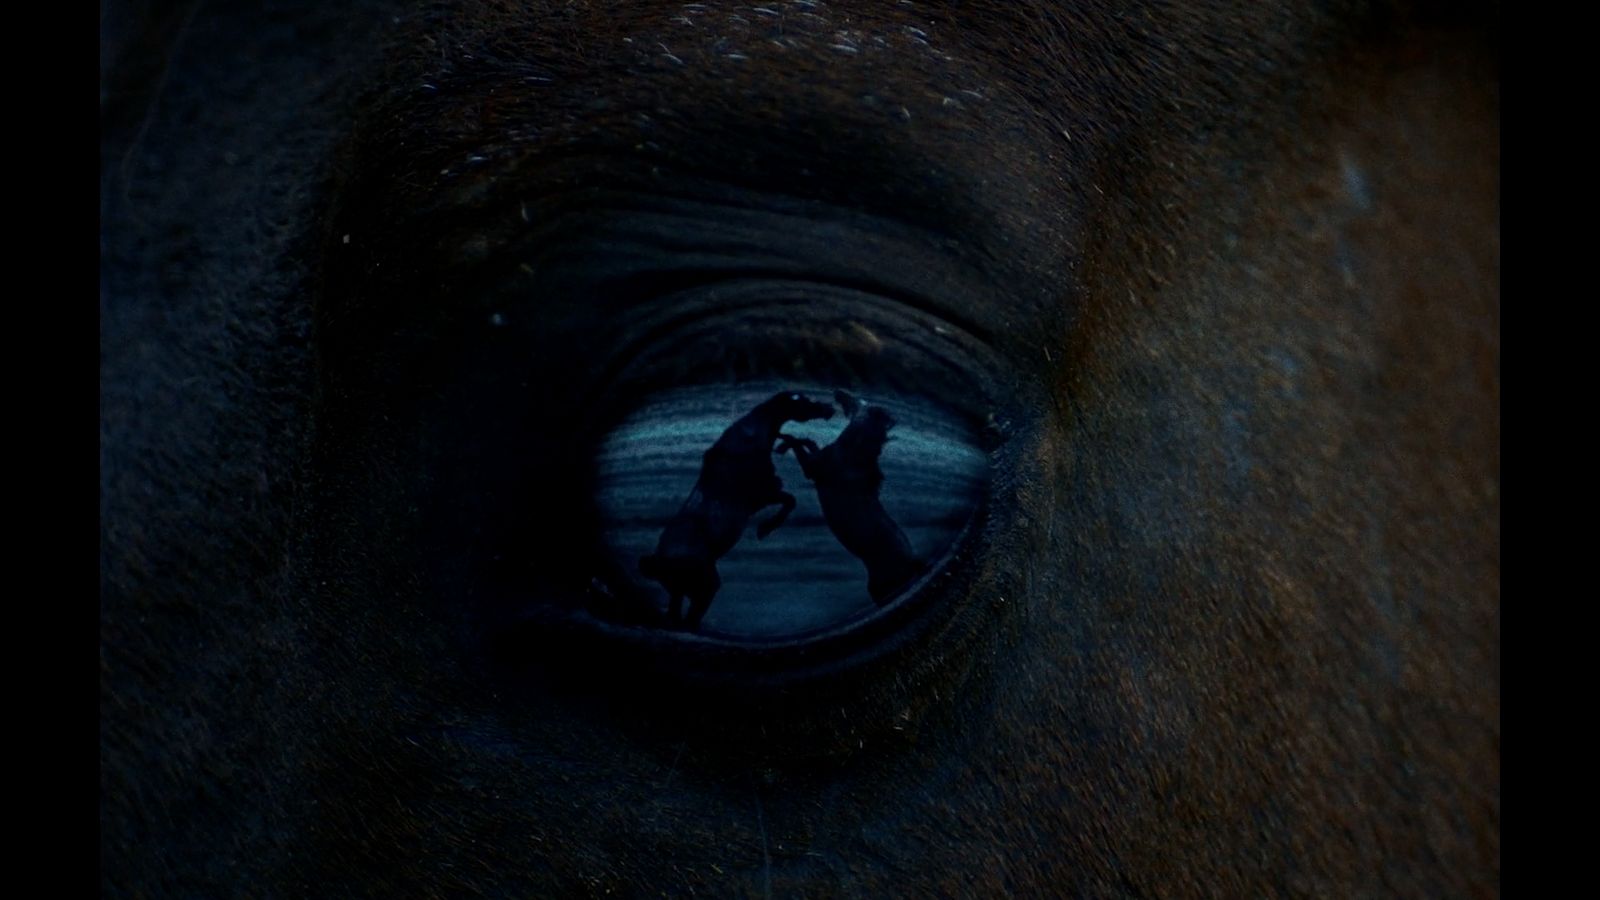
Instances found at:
x=954 y=216
x=627 y=250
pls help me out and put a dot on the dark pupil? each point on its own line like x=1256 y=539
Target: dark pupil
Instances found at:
x=692 y=493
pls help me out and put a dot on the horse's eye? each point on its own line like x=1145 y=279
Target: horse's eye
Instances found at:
x=731 y=516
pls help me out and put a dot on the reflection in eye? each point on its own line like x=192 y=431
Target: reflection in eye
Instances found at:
x=773 y=510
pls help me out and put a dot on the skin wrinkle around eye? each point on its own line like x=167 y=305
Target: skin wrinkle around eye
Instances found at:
x=641 y=235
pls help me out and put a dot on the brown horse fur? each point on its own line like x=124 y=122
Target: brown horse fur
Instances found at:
x=1230 y=624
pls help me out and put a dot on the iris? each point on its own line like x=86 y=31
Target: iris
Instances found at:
x=882 y=486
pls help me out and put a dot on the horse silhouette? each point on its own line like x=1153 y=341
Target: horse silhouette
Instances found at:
x=737 y=479
x=848 y=479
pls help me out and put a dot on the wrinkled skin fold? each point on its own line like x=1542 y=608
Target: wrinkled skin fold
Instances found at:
x=1220 y=281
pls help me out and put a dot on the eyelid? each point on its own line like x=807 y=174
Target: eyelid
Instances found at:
x=619 y=249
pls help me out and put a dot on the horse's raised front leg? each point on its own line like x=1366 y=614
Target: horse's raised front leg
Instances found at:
x=786 y=502
x=803 y=449
x=787 y=442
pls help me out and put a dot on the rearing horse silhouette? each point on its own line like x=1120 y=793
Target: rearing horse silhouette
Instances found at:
x=847 y=479
x=737 y=479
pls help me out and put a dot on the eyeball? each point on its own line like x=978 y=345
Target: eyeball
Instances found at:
x=723 y=516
